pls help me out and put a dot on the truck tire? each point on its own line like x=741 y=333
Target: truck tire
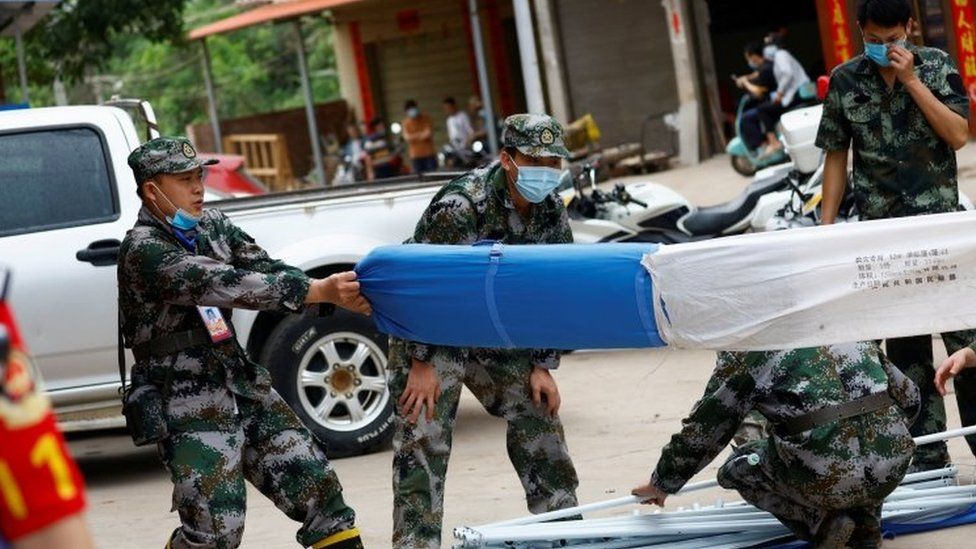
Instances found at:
x=332 y=372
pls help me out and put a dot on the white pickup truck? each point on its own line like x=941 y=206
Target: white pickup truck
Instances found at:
x=67 y=198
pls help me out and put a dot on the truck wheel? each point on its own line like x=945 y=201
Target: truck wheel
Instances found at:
x=742 y=165
x=332 y=372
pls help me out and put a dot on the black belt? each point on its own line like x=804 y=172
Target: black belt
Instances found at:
x=170 y=344
x=837 y=412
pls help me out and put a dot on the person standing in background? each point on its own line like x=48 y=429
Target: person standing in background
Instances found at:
x=418 y=132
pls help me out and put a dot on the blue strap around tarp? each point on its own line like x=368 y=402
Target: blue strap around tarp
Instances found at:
x=561 y=296
x=495 y=256
x=890 y=530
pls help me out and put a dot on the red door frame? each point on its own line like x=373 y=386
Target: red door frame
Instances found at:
x=362 y=72
x=496 y=42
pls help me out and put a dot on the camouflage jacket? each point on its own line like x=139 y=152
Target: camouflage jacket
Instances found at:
x=782 y=385
x=477 y=206
x=160 y=286
x=901 y=166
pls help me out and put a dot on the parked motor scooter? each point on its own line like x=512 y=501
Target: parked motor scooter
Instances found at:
x=804 y=208
x=467 y=158
x=650 y=212
x=772 y=188
x=778 y=197
x=596 y=215
x=747 y=161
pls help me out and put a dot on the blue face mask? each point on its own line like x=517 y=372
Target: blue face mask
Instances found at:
x=413 y=112
x=879 y=52
x=769 y=52
x=535 y=183
x=754 y=66
x=182 y=219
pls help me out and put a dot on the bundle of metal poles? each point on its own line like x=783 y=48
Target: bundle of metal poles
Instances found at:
x=924 y=500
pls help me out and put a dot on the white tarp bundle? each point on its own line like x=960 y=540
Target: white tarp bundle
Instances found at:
x=820 y=285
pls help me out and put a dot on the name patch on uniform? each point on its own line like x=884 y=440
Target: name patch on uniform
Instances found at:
x=213 y=319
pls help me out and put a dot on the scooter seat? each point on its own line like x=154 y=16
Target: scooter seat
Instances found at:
x=714 y=220
x=663 y=237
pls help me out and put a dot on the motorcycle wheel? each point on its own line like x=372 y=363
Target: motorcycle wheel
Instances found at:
x=742 y=166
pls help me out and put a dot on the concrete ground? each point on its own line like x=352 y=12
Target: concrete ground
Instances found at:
x=619 y=409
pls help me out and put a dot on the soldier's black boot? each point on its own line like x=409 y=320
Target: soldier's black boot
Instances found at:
x=834 y=532
x=867 y=532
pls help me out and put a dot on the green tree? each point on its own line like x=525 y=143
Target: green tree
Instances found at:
x=255 y=69
x=80 y=35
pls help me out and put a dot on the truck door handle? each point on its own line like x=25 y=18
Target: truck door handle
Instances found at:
x=100 y=253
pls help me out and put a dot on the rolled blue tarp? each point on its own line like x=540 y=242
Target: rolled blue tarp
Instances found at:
x=565 y=296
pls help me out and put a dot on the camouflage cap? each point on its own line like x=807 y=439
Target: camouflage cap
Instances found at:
x=164 y=155
x=535 y=135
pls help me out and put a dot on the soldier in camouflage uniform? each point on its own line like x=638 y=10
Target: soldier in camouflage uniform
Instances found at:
x=179 y=266
x=904 y=120
x=825 y=482
x=510 y=201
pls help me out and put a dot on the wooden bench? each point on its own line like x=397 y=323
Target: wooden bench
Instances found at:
x=266 y=157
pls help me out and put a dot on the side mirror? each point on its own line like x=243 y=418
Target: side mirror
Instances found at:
x=823 y=84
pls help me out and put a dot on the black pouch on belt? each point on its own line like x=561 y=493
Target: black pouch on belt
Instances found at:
x=142 y=406
x=145 y=414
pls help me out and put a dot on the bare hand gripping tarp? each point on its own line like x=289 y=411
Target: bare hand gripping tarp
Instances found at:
x=498 y=296
x=797 y=288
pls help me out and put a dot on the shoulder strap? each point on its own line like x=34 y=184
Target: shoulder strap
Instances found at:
x=121 y=351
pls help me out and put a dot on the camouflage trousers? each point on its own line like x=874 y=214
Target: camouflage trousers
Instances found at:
x=798 y=508
x=535 y=442
x=913 y=356
x=272 y=450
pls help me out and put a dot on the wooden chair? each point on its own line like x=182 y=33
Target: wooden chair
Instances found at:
x=266 y=157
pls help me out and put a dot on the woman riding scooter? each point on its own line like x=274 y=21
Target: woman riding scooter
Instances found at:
x=789 y=88
x=790 y=78
x=757 y=86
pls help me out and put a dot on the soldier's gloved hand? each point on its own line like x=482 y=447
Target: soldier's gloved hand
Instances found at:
x=341 y=289
x=961 y=359
x=542 y=384
x=648 y=494
x=423 y=390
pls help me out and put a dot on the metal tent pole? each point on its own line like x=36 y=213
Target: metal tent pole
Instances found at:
x=592 y=507
x=945 y=435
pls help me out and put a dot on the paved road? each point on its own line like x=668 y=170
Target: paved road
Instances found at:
x=619 y=409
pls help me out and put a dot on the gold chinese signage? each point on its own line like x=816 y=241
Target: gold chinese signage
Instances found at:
x=962 y=23
x=835 y=28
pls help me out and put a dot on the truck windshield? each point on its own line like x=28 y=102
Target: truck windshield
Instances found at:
x=55 y=178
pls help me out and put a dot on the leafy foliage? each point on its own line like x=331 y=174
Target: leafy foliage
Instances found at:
x=139 y=49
